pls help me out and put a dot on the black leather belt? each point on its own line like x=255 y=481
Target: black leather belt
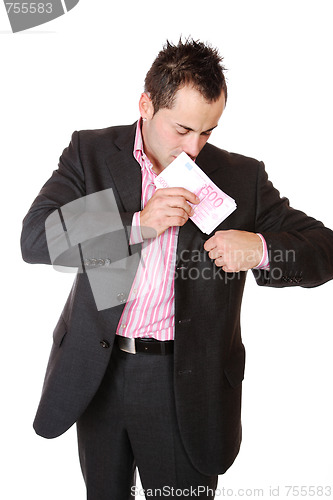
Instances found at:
x=145 y=345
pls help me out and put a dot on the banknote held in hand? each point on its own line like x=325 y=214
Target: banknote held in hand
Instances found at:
x=215 y=205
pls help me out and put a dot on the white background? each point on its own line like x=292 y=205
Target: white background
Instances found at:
x=86 y=70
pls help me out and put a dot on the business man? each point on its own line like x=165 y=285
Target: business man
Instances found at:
x=155 y=381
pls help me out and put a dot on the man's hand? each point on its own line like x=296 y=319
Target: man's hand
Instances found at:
x=166 y=208
x=235 y=251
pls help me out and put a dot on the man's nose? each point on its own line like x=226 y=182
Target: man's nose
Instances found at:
x=192 y=146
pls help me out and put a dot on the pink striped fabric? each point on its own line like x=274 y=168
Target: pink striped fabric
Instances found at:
x=149 y=311
x=264 y=263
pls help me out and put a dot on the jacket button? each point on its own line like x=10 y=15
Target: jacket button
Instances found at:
x=105 y=344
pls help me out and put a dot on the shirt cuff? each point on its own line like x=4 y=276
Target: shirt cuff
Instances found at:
x=136 y=236
x=264 y=263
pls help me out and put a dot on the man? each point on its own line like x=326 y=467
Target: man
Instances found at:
x=155 y=381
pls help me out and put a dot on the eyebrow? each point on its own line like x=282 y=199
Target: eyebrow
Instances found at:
x=192 y=130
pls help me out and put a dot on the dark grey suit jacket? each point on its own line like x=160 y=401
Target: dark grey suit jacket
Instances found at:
x=209 y=353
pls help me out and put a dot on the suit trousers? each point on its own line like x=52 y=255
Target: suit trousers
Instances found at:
x=131 y=422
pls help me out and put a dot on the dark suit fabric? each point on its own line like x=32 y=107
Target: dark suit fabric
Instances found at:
x=132 y=421
x=209 y=354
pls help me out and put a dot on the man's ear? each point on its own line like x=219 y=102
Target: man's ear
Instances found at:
x=146 y=106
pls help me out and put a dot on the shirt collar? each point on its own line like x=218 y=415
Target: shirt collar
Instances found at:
x=138 y=141
x=138 y=150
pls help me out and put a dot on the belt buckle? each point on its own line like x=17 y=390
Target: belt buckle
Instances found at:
x=126 y=344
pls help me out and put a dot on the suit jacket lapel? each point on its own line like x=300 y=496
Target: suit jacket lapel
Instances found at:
x=207 y=162
x=125 y=171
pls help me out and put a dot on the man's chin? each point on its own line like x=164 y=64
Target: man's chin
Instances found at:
x=172 y=159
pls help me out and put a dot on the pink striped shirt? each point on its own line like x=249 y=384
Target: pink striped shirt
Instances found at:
x=149 y=311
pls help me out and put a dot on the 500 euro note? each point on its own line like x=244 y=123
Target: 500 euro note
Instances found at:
x=215 y=205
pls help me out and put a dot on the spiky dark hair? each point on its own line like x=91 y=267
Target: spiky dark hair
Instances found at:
x=187 y=63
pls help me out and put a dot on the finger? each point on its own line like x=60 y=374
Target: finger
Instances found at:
x=180 y=202
x=210 y=244
x=214 y=254
x=185 y=193
x=178 y=212
x=218 y=240
x=220 y=262
x=176 y=221
x=227 y=269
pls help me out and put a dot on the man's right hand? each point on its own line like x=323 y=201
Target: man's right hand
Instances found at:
x=166 y=208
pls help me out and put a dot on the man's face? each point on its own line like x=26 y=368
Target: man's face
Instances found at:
x=185 y=127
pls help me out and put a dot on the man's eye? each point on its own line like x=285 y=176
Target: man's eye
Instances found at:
x=182 y=132
x=207 y=133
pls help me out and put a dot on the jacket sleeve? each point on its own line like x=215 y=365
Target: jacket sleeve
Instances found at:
x=65 y=185
x=66 y=226
x=300 y=248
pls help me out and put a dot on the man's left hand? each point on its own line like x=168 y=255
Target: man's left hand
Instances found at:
x=234 y=250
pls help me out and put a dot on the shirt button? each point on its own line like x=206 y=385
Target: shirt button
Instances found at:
x=123 y=325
